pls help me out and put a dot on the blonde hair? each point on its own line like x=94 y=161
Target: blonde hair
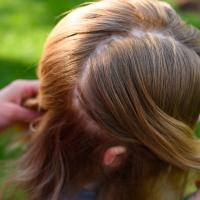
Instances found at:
x=117 y=72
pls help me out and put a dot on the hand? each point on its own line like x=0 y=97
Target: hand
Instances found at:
x=11 y=100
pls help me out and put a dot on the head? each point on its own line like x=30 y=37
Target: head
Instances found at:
x=120 y=87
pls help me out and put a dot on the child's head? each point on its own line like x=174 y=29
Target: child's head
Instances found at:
x=120 y=83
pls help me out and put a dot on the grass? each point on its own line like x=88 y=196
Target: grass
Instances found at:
x=24 y=26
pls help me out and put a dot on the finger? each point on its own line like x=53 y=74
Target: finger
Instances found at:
x=21 y=114
x=27 y=88
x=33 y=86
x=20 y=90
x=29 y=91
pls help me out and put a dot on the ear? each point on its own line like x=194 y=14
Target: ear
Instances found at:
x=113 y=156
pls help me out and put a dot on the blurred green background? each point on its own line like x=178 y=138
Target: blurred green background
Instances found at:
x=24 y=25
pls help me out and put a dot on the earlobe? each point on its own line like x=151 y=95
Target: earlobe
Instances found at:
x=113 y=156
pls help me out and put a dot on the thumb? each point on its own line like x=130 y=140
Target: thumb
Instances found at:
x=21 y=114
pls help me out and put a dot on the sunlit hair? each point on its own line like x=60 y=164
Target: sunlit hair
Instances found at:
x=117 y=72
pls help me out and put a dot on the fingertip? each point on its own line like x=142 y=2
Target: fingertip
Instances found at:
x=25 y=115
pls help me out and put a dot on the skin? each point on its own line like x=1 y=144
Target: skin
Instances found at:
x=11 y=99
